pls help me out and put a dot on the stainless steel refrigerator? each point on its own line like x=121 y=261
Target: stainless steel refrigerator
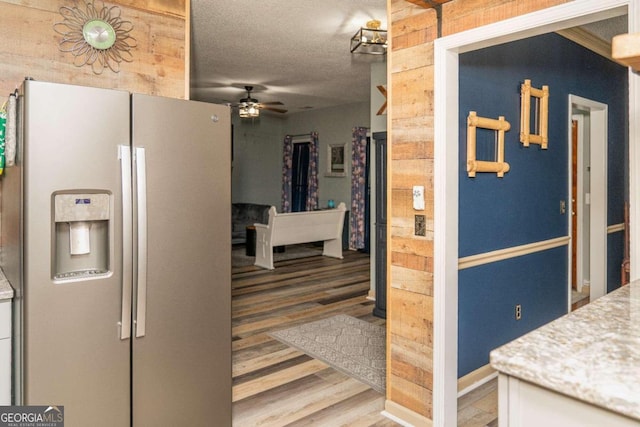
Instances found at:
x=116 y=238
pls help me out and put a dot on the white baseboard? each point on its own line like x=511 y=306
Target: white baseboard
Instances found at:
x=475 y=379
x=404 y=416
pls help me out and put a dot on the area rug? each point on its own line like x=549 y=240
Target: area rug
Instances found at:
x=240 y=259
x=350 y=345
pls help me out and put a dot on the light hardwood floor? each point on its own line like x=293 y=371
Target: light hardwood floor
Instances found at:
x=276 y=385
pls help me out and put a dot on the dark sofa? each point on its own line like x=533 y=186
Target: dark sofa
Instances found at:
x=244 y=214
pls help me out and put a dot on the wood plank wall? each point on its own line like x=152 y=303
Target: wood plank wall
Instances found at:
x=410 y=299
x=413 y=28
x=30 y=47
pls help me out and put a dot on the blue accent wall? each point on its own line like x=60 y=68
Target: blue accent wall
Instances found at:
x=524 y=206
x=489 y=293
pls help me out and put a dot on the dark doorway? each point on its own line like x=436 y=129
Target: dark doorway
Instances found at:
x=299 y=177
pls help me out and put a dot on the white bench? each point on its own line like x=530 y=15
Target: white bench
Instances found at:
x=299 y=227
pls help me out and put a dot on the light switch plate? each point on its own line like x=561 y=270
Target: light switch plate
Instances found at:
x=418 y=197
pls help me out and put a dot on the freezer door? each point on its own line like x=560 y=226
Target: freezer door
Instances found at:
x=73 y=355
x=182 y=350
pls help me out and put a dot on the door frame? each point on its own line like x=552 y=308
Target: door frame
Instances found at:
x=446 y=51
x=598 y=113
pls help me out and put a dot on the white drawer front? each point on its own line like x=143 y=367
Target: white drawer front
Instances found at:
x=5 y=372
x=5 y=319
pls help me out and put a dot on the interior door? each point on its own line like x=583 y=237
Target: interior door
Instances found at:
x=380 y=308
x=575 y=209
x=182 y=350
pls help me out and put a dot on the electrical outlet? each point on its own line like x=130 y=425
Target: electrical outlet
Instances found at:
x=420 y=225
x=518 y=311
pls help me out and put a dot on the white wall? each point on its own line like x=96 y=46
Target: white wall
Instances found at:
x=257 y=160
x=378 y=78
x=378 y=124
x=257 y=146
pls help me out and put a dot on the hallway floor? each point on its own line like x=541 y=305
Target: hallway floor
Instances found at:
x=275 y=385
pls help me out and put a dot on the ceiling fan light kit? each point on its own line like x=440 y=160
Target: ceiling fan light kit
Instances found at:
x=370 y=39
x=249 y=108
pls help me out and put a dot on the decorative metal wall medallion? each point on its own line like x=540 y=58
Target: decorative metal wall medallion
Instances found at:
x=96 y=36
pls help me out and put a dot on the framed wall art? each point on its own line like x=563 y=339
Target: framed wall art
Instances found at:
x=336 y=160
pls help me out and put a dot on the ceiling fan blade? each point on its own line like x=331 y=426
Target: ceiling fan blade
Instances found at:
x=272 y=103
x=276 y=110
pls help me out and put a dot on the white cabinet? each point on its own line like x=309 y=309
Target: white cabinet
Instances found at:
x=5 y=352
x=523 y=404
x=579 y=370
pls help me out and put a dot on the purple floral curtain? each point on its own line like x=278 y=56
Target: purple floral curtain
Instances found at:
x=286 y=173
x=312 y=177
x=358 y=189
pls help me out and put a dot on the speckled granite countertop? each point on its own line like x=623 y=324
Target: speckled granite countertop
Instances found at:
x=592 y=354
x=6 y=291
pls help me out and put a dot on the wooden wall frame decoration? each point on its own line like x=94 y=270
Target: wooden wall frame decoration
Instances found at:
x=383 y=108
x=541 y=96
x=499 y=167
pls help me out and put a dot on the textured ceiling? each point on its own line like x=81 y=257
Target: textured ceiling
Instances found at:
x=293 y=51
x=608 y=28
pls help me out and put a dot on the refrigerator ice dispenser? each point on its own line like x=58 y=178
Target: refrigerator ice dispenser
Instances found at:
x=81 y=247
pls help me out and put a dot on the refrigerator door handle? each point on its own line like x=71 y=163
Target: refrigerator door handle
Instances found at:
x=141 y=196
x=124 y=154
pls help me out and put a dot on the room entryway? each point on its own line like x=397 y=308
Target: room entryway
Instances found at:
x=588 y=188
x=579 y=286
x=446 y=164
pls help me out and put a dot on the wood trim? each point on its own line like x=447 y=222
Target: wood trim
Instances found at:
x=615 y=228
x=404 y=416
x=162 y=7
x=475 y=379
x=589 y=41
x=503 y=254
x=371 y=295
x=187 y=49
x=625 y=50
x=389 y=126
x=428 y=4
x=420 y=3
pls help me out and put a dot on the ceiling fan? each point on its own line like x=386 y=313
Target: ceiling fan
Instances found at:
x=250 y=107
